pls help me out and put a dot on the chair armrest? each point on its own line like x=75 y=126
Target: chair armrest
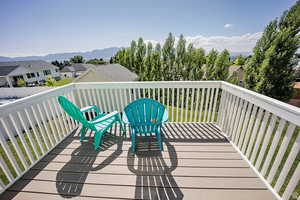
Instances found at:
x=124 y=118
x=165 y=116
x=106 y=117
x=85 y=109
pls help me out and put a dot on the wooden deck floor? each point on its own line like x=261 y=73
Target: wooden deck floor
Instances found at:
x=197 y=163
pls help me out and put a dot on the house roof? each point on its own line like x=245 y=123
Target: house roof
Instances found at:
x=108 y=73
x=234 y=68
x=5 y=70
x=21 y=67
x=77 y=67
x=297 y=85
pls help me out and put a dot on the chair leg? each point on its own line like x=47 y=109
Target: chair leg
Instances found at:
x=158 y=136
x=133 y=140
x=121 y=124
x=82 y=133
x=97 y=140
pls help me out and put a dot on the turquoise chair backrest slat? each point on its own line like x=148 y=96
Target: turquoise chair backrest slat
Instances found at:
x=72 y=109
x=145 y=114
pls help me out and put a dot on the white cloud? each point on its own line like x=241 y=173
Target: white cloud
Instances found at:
x=228 y=25
x=239 y=43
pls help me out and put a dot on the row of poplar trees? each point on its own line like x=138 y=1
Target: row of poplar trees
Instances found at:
x=173 y=62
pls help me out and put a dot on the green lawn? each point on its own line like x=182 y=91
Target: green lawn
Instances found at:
x=64 y=81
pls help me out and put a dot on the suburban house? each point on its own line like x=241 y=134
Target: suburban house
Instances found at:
x=108 y=73
x=33 y=72
x=237 y=72
x=74 y=70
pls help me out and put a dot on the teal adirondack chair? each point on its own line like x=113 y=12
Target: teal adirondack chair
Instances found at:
x=100 y=124
x=145 y=116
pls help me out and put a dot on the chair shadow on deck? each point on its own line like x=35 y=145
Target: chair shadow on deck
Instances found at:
x=71 y=178
x=154 y=178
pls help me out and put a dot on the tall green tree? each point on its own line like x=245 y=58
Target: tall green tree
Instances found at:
x=275 y=74
x=140 y=54
x=132 y=55
x=221 y=68
x=253 y=65
x=210 y=64
x=146 y=75
x=168 y=57
x=180 y=59
x=156 y=64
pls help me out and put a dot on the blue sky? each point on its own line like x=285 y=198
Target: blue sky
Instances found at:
x=39 y=27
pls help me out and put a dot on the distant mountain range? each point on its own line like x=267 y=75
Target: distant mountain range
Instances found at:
x=98 y=53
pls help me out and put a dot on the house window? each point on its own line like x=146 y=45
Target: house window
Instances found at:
x=47 y=72
x=30 y=75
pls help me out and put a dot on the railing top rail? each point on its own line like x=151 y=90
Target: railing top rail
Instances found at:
x=281 y=109
x=33 y=99
x=150 y=84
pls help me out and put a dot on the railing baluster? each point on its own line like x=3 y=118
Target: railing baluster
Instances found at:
x=99 y=101
x=187 y=104
x=22 y=138
x=103 y=105
x=47 y=132
x=274 y=144
x=54 y=119
x=177 y=105
x=196 y=112
x=281 y=151
x=212 y=91
x=239 y=122
x=192 y=105
x=288 y=163
x=27 y=132
x=214 y=115
x=41 y=129
x=79 y=95
x=57 y=114
x=228 y=113
x=173 y=100
x=249 y=128
x=49 y=121
x=38 y=139
x=223 y=108
x=182 y=104
x=206 y=104
x=6 y=170
x=245 y=125
x=254 y=133
x=86 y=103
x=266 y=141
x=10 y=155
x=15 y=144
x=292 y=184
x=201 y=105
x=233 y=113
x=260 y=136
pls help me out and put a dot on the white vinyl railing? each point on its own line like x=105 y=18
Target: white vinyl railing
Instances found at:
x=29 y=129
x=265 y=131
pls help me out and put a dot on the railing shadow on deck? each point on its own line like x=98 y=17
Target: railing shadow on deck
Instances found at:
x=154 y=178
x=70 y=184
x=193 y=132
